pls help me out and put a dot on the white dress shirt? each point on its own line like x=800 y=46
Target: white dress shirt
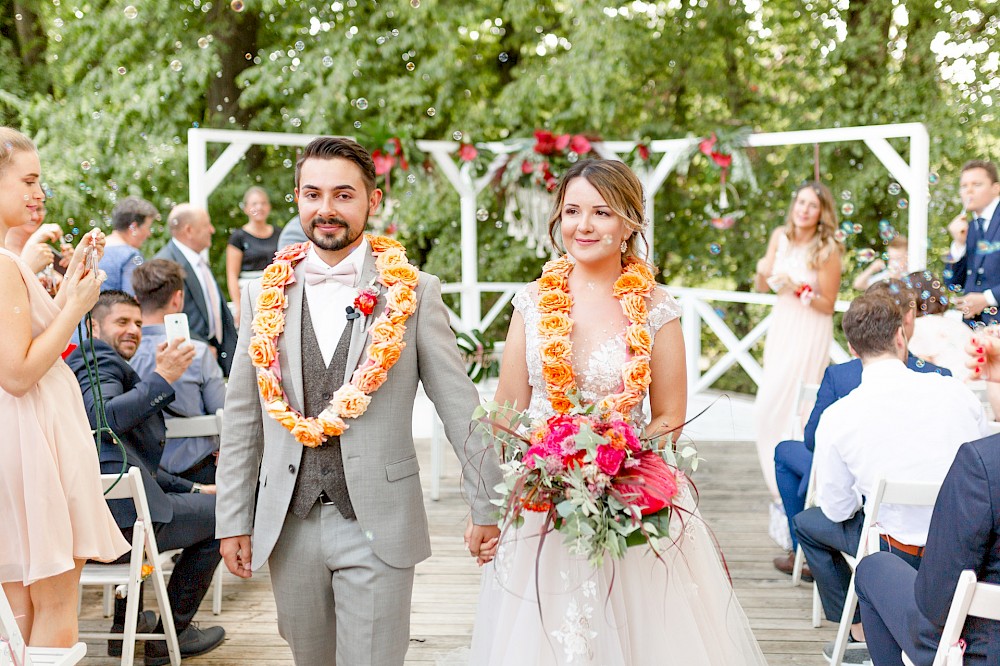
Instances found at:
x=957 y=250
x=328 y=301
x=195 y=259
x=900 y=424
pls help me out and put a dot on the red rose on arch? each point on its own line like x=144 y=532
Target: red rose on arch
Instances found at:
x=643 y=151
x=706 y=145
x=722 y=160
x=545 y=142
x=383 y=162
x=579 y=144
x=467 y=152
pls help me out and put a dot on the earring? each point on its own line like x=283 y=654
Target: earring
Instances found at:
x=623 y=247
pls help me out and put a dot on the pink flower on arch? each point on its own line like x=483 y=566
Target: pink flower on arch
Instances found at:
x=579 y=144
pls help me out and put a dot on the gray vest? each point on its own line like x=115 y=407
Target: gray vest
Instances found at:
x=321 y=468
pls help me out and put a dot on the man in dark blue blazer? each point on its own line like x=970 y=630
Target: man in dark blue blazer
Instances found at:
x=903 y=609
x=209 y=317
x=975 y=250
x=793 y=458
x=183 y=512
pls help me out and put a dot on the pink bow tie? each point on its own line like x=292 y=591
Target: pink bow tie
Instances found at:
x=344 y=273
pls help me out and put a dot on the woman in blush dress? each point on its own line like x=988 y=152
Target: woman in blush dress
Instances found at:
x=802 y=266
x=52 y=509
x=540 y=603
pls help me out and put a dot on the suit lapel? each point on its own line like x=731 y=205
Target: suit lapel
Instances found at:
x=290 y=342
x=191 y=280
x=359 y=333
x=993 y=232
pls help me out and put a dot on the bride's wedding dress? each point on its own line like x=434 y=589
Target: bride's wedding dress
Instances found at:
x=539 y=604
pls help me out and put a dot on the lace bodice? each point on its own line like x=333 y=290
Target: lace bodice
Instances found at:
x=793 y=261
x=597 y=366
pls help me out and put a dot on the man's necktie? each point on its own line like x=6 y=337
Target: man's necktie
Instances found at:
x=215 y=314
x=980 y=226
x=344 y=273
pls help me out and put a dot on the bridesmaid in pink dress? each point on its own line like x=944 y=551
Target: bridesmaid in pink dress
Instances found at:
x=52 y=510
x=802 y=265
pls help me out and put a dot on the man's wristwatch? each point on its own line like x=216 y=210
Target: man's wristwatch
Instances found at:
x=196 y=488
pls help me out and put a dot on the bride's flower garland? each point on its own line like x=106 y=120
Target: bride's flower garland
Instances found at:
x=351 y=400
x=632 y=288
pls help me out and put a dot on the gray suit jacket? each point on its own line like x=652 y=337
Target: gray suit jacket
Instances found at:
x=380 y=461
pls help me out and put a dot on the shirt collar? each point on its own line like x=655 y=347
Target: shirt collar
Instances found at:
x=356 y=257
x=988 y=212
x=882 y=368
x=192 y=257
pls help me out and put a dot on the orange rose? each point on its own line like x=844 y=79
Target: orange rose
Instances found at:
x=619 y=403
x=349 y=402
x=404 y=273
x=309 y=432
x=385 y=354
x=638 y=338
x=383 y=243
x=634 y=307
x=555 y=350
x=368 y=378
x=402 y=298
x=558 y=375
x=262 y=351
x=636 y=375
x=384 y=331
x=272 y=298
x=560 y=266
x=333 y=425
x=560 y=402
x=554 y=301
x=293 y=252
x=642 y=269
x=630 y=283
x=551 y=282
x=278 y=274
x=268 y=385
x=556 y=324
x=282 y=415
x=389 y=258
x=269 y=323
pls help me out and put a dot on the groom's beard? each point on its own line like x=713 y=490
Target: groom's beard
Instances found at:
x=338 y=239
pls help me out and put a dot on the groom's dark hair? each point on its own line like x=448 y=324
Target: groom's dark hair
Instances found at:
x=330 y=147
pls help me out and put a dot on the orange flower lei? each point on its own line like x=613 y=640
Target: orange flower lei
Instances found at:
x=632 y=288
x=351 y=400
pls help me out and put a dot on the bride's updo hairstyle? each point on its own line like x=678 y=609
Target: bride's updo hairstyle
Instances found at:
x=12 y=142
x=618 y=186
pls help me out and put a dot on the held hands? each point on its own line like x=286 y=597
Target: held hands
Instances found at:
x=959 y=228
x=173 y=358
x=482 y=541
x=236 y=553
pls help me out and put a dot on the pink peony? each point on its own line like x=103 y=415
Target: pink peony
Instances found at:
x=579 y=144
x=609 y=460
x=560 y=431
x=627 y=433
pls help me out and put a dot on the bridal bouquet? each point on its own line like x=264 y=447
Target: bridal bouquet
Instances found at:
x=599 y=482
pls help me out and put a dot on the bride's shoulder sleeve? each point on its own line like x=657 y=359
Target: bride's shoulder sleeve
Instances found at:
x=663 y=309
x=524 y=299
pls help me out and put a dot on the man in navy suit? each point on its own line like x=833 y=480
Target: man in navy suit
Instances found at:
x=904 y=610
x=209 y=318
x=975 y=248
x=793 y=458
x=183 y=512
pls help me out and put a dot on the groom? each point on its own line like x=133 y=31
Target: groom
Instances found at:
x=342 y=525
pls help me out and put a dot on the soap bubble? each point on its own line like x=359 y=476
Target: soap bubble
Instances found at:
x=847 y=209
x=894 y=189
x=482 y=214
x=131 y=12
x=176 y=65
x=237 y=5
x=361 y=103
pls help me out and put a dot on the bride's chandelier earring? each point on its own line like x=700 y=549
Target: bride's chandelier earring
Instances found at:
x=624 y=246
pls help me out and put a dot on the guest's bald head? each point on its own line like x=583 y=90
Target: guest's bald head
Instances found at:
x=190 y=225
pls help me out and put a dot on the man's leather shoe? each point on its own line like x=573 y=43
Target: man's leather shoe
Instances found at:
x=144 y=624
x=786 y=563
x=193 y=641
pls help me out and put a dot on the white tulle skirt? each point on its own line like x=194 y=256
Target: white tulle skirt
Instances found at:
x=679 y=609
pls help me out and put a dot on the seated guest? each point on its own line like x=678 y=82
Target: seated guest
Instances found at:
x=937 y=338
x=159 y=288
x=183 y=514
x=793 y=458
x=896 y=423
x=878 y=271
x=132 y=221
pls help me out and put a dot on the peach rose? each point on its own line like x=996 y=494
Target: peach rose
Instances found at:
x=554 y=301
x=560 y=402
x=268 y=322
x=385 y=354
x=401 y=298
x=634 y=307
x=383 y=331
x=293 y=252
x=349 y=402
x=551 y=281
x=630 y=283
x=642 y=269
x=638 y=338
x=404 y=273
x=262 y=351
x=368 y=378
x=636 y=375
x=558 y=375
x=284 y=416
x=620 y=403
x=278 y=274
x=272 y=298
x=268 y=385
x=333 y=425
x=555 y=350
x=391 y=257
x=556 y=324
x=309 y=432
x=560 y=266
x=383 y=243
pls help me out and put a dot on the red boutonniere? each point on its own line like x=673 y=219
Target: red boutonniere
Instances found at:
x=805 y=293
x=366 y=300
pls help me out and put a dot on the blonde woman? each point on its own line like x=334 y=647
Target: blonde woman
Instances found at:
x=803 y=266
x=251 y=247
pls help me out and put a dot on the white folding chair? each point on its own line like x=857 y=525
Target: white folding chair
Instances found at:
x=209 y=425
x=908 y=493
x=128 y=577
x=806 y=400
x=971 y=598
x=13 y=650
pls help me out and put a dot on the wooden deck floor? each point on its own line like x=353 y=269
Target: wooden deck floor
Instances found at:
x=733 y=500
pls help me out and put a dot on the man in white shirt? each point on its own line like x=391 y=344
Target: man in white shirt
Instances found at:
x=897 y=424
x=974 y=264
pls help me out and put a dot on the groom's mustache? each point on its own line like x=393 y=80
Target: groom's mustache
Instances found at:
x=328 y=221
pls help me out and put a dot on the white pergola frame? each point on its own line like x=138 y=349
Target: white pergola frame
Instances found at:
x=910 y=174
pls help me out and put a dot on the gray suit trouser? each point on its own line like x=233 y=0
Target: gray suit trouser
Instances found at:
x=332 y=591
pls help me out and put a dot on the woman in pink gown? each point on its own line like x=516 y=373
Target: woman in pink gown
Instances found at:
x=52 y=509
x=802 y=266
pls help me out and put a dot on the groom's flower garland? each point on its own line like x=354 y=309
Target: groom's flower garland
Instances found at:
x=632 y=288
x=351 y=400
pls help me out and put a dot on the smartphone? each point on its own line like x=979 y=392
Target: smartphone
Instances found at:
x=176 y=326
x=56 y=258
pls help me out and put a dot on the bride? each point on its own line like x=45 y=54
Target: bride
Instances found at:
x=540 y=604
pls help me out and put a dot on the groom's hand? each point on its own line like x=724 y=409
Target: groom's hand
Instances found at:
x=236 y=553
x=482 y=541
